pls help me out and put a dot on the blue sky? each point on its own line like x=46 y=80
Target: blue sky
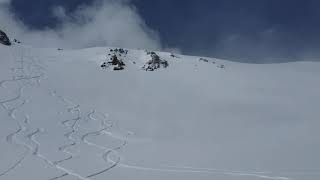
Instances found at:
x=245 y=30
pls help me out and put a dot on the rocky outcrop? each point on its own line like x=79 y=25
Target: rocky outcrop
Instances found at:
x=174 y=56
x=4 y=39
x=116 y=62
x=221 y=66
x=155 y=63
x=204 y=60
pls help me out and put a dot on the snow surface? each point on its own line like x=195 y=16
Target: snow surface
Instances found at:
x=63 y=117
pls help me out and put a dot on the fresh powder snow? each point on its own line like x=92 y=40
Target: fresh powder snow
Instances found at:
x=113 y=113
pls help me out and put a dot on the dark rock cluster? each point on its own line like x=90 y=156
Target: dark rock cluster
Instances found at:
x=4 y=39
x=155 y=63
x=204 y=60
x=117 y=63
x=114 y=60
x=221 y=66
x=16 y=41
x=119 y=51
x=174 y=56
x=117 y=59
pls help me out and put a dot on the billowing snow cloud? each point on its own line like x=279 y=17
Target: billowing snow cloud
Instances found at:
x=105 y=23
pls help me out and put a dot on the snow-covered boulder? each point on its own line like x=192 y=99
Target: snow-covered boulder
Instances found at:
x=4 y=39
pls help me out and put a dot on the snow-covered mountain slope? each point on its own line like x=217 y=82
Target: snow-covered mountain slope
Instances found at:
x=68 y=115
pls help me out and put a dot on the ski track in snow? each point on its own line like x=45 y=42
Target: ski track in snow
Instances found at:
x=107 y=151
x=59 y=177
x=33 y=147
x=201 y=171
x=51 y=163
x=75 y=109
x=12 y=138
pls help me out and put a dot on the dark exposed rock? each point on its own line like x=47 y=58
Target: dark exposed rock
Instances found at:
x=114 y=61
x=174 y=56
x=16 y=41
x=119 y=50
x=222 y=66
x=118 y=68
x=122 y=51
x=116 y=55
x=104 y=65
x=4 y=39
x=155 y=63
x=204 y=60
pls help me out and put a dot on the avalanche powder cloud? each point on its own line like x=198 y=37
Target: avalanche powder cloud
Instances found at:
x=105 y=23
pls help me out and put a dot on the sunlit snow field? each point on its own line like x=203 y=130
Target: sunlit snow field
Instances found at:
x=64 y=117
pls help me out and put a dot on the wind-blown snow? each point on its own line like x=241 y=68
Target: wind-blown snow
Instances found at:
x=63 y=117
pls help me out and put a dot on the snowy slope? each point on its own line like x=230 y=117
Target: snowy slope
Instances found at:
x=64 y=117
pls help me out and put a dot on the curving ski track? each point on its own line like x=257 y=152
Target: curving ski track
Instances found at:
x=33 y=147
x=12 y=138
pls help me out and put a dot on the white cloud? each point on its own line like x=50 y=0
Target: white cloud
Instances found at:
x=105 y=23
x=59 y=12
x=4 y=1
